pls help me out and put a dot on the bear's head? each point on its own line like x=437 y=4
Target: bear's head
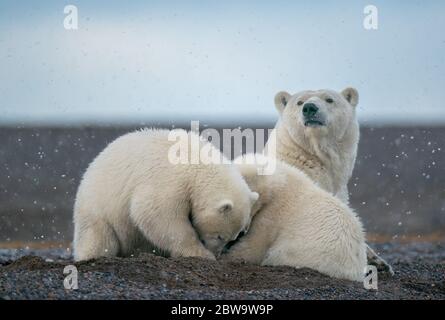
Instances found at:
x=222 y=216
x=318 y=114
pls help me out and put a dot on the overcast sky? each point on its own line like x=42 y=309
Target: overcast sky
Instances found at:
x=221 y=60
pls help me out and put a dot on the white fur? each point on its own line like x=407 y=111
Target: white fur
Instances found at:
x=131 y=196
x=298 y=224
x=326 y=153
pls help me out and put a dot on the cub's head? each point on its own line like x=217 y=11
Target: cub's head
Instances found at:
x=319 y=113
x=223 y=217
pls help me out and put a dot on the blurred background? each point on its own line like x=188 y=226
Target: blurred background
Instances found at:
x=65 y=94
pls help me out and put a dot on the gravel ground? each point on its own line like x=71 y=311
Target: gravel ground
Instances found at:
x=38 y=274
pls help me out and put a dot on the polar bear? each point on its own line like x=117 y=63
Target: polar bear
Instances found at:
x=298 y=224
x=133 y=196
x=318 y=133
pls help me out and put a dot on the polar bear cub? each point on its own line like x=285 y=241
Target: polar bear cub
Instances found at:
x=298 y=224
x=132 y=196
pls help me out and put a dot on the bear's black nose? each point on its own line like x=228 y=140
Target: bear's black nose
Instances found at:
x=309 y=110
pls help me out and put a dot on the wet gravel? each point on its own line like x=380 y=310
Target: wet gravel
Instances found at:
x=38 y=274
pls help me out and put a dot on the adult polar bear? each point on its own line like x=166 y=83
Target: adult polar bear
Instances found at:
x=298 y=224
x=318 y=133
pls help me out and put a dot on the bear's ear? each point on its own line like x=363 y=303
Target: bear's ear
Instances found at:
x=351 y=95
x=225 y=206
x=281 y=100
x=254 y=197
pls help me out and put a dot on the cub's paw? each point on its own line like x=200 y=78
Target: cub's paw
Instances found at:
x=207 y=255
x=227 y=258
x=199 y=253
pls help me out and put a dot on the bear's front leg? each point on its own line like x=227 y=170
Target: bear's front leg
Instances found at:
x=241 y=252
x=166 y=225
x=246 y=251
x=253 y=246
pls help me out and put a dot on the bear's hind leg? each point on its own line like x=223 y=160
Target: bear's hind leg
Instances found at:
x=95 y=240
x=377 y=261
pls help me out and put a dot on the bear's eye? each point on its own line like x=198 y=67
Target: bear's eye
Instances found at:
x=329 y=100
x=220 y=238
x=300 y=103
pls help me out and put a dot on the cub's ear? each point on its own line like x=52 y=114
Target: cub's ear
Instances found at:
x=254 y=197
x=281 y=100
x=351 y=95
x=225 y=206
